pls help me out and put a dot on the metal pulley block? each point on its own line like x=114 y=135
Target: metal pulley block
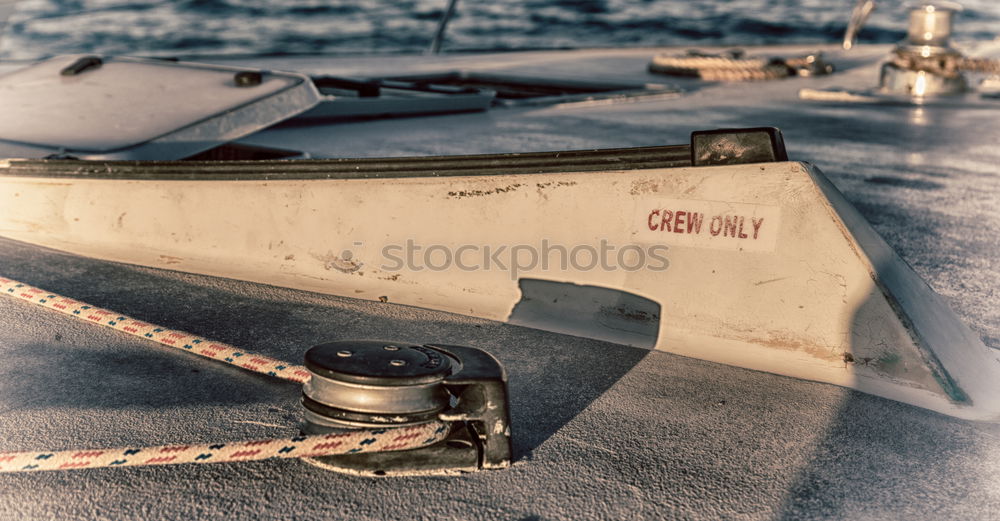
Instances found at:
x=369 y=384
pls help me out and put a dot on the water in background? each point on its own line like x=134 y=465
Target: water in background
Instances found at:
x=39 y=28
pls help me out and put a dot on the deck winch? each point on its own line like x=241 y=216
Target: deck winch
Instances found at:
x=370 y=384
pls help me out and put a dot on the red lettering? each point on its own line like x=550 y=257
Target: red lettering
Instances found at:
x=652 y=224
x=694 y=222
x=741 y=234
x=756 y=225
x=665 y=221
x=679 y=221
x=729 y=229
x=712 y=228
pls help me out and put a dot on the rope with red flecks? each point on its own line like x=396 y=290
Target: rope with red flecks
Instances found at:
x=346 y=442
x=168 y=337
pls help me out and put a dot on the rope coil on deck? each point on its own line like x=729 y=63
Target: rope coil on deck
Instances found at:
x=346 y=442
x=736 y=68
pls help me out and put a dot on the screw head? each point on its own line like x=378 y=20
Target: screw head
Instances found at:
x=391 y=348
x=344 y=353
x=397 y=363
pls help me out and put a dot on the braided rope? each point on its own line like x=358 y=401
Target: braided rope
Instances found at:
x=718 y=68
x=169 y=337
x=348 y=442
x=345 y=442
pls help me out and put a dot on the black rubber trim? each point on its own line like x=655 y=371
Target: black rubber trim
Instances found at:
x=432 y=166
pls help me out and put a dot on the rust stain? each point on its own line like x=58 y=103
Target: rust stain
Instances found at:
x=290 y=256
x=786 y=341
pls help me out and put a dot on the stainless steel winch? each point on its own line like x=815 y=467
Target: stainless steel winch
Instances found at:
x=925 y=63
x=375 y=384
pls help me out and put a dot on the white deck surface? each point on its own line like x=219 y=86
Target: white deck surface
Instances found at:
x=601 y=431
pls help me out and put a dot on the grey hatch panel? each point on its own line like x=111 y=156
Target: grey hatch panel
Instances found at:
x=132 y=108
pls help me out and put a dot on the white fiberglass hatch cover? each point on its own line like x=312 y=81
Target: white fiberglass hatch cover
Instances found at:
x=133 y=108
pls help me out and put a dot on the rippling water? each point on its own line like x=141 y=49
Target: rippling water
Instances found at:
x=38 y=28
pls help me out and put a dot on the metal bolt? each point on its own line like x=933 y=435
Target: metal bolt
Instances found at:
x=397 y=363
x=391 y=348
x=345 y=353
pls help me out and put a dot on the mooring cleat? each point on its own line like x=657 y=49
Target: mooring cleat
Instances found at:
x=369 y=384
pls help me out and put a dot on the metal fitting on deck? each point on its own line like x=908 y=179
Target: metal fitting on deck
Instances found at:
x=365 y=384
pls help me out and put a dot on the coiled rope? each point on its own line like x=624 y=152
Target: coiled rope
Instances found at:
x=736 y=68
x=346 y=442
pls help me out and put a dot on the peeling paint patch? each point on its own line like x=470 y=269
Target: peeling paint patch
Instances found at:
x=555 y=184
x=644 y=186
x=481 y=193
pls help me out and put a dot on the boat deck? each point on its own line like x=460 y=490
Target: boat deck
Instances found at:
x=601 y=431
